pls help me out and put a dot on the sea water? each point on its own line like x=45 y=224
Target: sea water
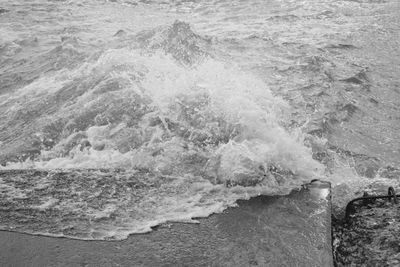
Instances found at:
x=192 y=105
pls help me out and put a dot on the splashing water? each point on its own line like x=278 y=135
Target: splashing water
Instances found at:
x=167 y=115
x=177 y=124
x=206 y=125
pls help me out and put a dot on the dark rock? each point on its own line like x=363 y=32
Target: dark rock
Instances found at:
x=370 y=237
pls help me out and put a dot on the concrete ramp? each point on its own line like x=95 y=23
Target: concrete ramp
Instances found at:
x=293 y=230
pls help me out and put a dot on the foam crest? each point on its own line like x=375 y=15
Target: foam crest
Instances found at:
x=191 y=139
x=213 y=114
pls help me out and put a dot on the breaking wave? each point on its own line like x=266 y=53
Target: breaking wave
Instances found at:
x=196 y=130
x=145 y=108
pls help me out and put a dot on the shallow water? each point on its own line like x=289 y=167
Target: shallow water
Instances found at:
x=228 y=97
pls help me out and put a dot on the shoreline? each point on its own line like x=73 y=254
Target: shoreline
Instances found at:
x=264 y=231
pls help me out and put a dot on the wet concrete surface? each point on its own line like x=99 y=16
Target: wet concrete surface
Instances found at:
x=293 y=230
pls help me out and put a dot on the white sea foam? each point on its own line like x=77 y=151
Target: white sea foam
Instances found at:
x=231 y=114
x=213 y=128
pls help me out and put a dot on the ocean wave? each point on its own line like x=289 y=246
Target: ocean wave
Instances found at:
x=179 y=123
x=130 y=101
x=161 y=104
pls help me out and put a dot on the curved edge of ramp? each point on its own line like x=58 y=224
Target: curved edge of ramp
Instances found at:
x=293 y=230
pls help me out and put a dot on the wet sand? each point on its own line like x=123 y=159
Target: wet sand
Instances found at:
x=263 y=231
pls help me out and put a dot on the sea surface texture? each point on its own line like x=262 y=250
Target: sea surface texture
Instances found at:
x=142 y=112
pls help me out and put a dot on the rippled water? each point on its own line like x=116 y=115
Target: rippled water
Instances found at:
x=212 y=100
